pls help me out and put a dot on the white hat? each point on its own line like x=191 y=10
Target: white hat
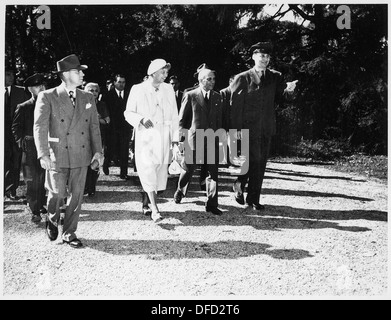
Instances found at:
x=156 y=65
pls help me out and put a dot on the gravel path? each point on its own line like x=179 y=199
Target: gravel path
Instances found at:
x=323 y=233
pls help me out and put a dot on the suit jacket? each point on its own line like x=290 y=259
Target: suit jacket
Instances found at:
x=116 y=108
x=253 y=102
x=22 y=130
x=194 y=113
x=179 y=99
x=226 y=109
x=69 y=135
x=17 y=96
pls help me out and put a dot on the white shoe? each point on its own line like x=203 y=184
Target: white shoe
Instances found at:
x=156 y=217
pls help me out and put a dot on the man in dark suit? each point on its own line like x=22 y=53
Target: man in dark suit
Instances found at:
x=22 y=129
x=120 y=131
x=254 y=93
x=178 y=94
x=201 y=109
x=67 y=137
x=13 y=96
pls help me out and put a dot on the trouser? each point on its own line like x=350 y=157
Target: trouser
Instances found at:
x=259 y=151
x=91 y=180
x=119 y=146
x=210 y=172
x=12 y=164
x=61 y=183
x=34 y=176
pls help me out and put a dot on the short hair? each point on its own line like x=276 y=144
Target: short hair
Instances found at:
x=203 y=73
x=118 y=75
x=91 y=84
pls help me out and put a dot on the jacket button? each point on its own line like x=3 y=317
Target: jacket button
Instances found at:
x=82 y=146
x=62 y=120
x=68 y=134
x=82 y=133
x=66 y=147
x=86 y=120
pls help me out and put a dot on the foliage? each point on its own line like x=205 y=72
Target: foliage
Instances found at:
x=342 y=89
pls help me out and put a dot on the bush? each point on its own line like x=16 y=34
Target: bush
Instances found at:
x=324 y=149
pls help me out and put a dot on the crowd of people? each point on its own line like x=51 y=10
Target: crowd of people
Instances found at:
x=60 y=137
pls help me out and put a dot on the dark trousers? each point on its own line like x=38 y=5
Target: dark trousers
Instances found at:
x=210 y=171
x=91 y=180
x=34 y=176
x=12 y=164
x=118 y=148
x=259 y=151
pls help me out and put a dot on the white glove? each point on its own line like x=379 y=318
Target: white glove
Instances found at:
x=176 y=152
x=47 y=163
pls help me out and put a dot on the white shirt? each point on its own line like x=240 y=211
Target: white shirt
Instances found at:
x=207 y=93
x=119 y=93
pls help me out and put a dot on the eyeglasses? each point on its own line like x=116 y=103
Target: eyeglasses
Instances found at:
x=93 y=90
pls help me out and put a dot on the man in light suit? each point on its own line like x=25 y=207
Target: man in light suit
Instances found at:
x=13 y=96
x=67 y=137
x=201 y=109
x=253 y=96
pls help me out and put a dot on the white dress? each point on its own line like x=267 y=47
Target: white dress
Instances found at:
x=152 y=146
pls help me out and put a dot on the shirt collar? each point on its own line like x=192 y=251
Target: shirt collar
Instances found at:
x=205 y=92
x=67 y=90
x=119 y=92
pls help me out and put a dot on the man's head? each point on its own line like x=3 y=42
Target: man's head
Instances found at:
x=119 y=82
x=71 y=71
x=9 y=77
x=207 y=79
x=174 y=82
x=35 y=83
x=93 y=88
x=261 y=53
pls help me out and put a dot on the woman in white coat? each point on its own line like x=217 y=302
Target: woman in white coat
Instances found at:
x=152 y=111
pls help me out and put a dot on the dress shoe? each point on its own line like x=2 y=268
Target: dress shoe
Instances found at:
x=35 y=217
x=124 y=177
x=146 y=210
x=75 y=243
x=155 y=216
x=216 y=211
x=51 y=230
x=12 y=197
x=178 y=195
x=106 y=170
x=238 y=193
x=256 y=205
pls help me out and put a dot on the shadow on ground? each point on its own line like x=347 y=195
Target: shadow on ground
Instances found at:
x=170 y=249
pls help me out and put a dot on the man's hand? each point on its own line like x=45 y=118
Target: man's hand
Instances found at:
x=46 y=163
x=290 y=86
x=99 y=157
x=146 y=123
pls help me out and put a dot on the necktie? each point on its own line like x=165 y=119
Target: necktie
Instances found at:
x=120 y=95
x=206 y=99
x=73 y=99
x=262 y=77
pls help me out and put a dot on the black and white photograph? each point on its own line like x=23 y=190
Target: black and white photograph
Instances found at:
x=219 y=151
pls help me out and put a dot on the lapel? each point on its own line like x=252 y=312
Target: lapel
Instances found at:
x=79 y=108
x=65 y=102
x=201 y=100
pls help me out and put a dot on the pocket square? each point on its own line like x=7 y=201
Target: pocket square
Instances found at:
x=88 y=105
